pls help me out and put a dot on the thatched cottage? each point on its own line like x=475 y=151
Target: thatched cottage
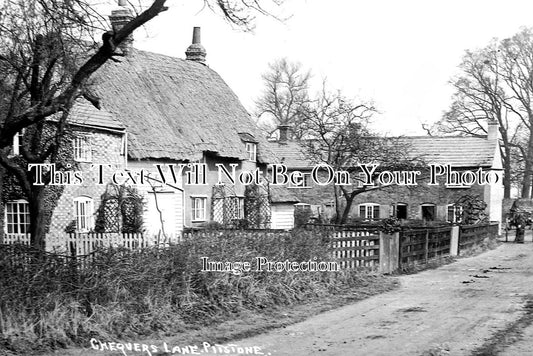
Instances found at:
x=181 y=111
x=164 y=111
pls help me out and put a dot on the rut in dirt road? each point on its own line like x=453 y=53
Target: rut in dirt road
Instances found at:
x=466 y=308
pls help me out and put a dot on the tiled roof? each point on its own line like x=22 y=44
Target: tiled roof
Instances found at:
x=175 y=109
x=85 y=114
x=291 y=154
x=458 y=151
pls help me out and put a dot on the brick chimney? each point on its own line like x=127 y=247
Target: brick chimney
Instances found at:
x=492 y=130
x=119 y=18
x=283 y=133
x=196 y=52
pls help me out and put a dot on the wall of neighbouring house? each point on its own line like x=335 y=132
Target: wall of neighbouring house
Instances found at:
x=440 y=195
x=493 y=196
x=107 y=148
x=414 y=197
x=192 y=191
x=321 y=198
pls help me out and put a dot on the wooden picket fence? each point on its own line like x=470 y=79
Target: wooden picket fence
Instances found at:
x=81 y=244
x=352 y=247
x=356 y=248
x=11 y=239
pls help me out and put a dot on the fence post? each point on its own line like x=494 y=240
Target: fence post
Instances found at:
x=395 y=252
x=426 y=247
x=454 y=241
x=389 y=249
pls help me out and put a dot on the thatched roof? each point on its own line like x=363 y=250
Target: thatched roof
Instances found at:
x=175 y=109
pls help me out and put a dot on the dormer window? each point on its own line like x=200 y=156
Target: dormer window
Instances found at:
x=251 y=150
x=250 y=143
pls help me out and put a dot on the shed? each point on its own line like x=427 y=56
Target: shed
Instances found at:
x=282 y=202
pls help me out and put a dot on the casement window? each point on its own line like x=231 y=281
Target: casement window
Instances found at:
x=82 y=148
x=199 y=208
x=305 y=182
x=83 y=212
x=17 y=143
x=17 y=217
x=251 y=151
x=454 y=213
x=369 y=211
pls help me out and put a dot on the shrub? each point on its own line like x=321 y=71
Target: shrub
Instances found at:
x=52 y=301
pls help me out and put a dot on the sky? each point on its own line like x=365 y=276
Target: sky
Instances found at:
x=401 y=54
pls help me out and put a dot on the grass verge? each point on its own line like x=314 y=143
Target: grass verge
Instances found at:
x=123 y=295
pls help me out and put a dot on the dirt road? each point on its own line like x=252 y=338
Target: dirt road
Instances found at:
x=475 y=306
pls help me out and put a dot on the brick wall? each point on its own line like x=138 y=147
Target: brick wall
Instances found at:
x=106 y=148
x=414 y=197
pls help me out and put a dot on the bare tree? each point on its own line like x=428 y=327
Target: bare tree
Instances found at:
x=517 y=74
x=479 y=99
x=285 y=97
x=339 y=136
x=496 y=85
x=47 y=57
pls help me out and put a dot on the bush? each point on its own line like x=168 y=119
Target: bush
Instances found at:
x=51 y=301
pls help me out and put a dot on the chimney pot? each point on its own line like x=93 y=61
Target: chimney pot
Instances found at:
x=196 y=52
x=283 y=133
x=492 y=130
x=196 y=35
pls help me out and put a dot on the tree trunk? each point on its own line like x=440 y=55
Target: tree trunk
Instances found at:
x=337 y=205
x=347 y=208
x=528 y=170
x=37 y=218
x=507 y=173
x=1 y=201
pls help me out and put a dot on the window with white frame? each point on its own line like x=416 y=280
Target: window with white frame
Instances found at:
x=251 y=151
x=82 y=148
x=454 y=213
x=304 y=182
x=17 y=217
x=83 y=212
x=17 y=143
x=369 y=211
x=199 y=208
